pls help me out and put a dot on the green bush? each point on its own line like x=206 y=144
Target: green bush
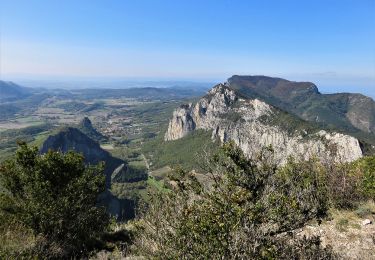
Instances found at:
x=343 y=185
x=364 y=210
x=250 y=210
x=367 y=167
x=342 y=224
x=349 y=184
x=55 y=196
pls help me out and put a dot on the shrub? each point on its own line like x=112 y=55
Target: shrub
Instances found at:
x=250 y=210
x=351 y=183
x=343 y=185
x=365 y=210
x=367 y=166
x=342 y=224
x=55 y=196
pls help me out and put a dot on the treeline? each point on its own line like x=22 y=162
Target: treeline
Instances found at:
x=50 y=207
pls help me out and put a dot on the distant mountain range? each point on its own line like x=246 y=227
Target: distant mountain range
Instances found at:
x=16 y=99
x=144 y=92
x=10 y=91
x=113 y=84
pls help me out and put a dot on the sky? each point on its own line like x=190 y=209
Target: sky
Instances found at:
x=328 y=42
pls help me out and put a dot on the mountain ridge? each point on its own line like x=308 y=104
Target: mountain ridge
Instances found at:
x=10 y=91
x=253 y=124
x=351 y=112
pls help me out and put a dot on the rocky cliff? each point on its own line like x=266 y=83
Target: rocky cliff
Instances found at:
x=253 y=124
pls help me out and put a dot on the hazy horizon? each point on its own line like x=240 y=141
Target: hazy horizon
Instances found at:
x=331 y=44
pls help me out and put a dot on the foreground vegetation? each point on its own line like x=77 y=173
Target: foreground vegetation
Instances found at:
x=245 y=209
x=52 y=201
x=251 y=209
x=247 y=212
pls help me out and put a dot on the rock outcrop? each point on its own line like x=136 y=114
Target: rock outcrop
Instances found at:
x=181 y=123
x=70 y=138
x=86 y=127
x=253 y=124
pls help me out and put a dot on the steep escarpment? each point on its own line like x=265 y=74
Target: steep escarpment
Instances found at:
x=253 y=124
x=353 y=113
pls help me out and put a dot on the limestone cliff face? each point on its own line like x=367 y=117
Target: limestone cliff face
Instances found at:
x=253 y=124
x=181 y=122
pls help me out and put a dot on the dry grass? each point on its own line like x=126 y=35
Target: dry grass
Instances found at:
x=161 y=173
x=346 y=233
x=16 y=239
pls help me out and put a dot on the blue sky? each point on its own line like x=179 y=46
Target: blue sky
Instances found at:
x=329 y=42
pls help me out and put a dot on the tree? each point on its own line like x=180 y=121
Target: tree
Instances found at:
x=56 y=196
x=351 y=183
x=250 y=210
x=366 y=166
